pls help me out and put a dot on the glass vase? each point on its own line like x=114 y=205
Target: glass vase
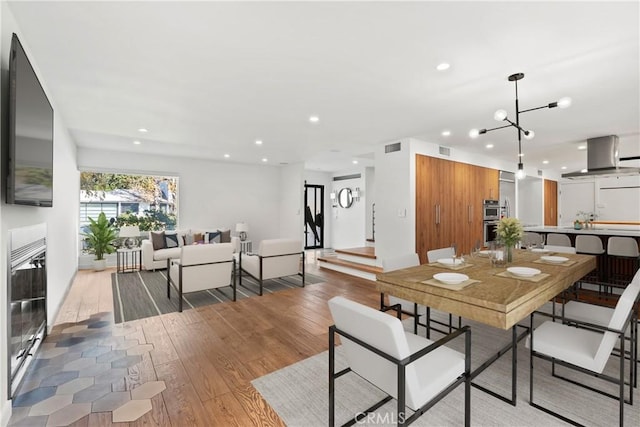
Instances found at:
x=509 y=250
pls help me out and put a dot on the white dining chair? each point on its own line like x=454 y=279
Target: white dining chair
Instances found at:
x=586 y=347
x=408 y=307
x=433 y=256
x=414 y=370
x=621 y=250
x=591 y=245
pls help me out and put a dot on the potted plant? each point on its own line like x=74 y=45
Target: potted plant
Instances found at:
x=100 y=237
x=509 y=232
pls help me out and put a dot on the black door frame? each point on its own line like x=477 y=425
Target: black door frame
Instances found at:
x=311 y=215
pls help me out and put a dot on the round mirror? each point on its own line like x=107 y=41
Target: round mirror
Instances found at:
x=345 y=199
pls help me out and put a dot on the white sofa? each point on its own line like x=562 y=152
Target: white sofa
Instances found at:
x=274 y=258
x=202 y=267
x=157 y=258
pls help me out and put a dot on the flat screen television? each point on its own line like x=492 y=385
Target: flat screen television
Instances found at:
x=30 y=140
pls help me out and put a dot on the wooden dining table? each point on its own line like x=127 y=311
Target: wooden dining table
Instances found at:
x=497 y=299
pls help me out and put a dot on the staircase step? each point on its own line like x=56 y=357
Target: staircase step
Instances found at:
x=350 y=264
x=365 y=252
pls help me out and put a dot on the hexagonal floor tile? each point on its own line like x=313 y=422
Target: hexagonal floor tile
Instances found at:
x=34 y=396
x=126 y=344
x=91 y=393
x=111 y=401
x=59 y=378
x=141 y=349
x=99 y=324
x=51 y=405
x=131 y=411
x=110 y=357
x=68 y=342
x=69 y=414
x=111 y=376
x=126 y=361
x=96 y=351
x=148 y=390
x=72 y=329
x=50 y=353
x=75 y=386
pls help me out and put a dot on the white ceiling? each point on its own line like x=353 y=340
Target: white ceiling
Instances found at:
x=209 y=78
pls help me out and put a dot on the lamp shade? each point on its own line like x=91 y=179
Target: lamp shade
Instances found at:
x=242 y=227
x=129 y=231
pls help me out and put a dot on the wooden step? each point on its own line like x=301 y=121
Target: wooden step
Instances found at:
x=365 y=252
x=349 y=264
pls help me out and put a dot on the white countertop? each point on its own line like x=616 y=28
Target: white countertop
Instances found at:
x=599 y=230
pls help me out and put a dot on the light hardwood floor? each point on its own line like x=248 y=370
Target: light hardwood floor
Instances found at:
x=209 y=355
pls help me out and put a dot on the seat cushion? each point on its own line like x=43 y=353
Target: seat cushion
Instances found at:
x=164 y=254
x=570 y=344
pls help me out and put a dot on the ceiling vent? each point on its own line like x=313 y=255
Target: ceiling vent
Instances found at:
x=392 y=148
x=603 y=159
x=445 y=151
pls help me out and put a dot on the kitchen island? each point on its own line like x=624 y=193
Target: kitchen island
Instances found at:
x=604 y=230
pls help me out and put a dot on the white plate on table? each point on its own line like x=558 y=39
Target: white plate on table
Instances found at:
x=450 y=261
x=554 y=259
x=451 y=278
x=523 y=271
x=540 y=250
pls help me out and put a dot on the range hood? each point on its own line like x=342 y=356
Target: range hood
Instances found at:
x=602 y=159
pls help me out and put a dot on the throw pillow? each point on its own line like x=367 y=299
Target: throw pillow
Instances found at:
x=225 y=236
x=198 y=238
x=188 y=239
x=213 y=237
x=171 y=240
x=157 y=240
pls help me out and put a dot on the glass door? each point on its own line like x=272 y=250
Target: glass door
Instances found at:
x=313 y=216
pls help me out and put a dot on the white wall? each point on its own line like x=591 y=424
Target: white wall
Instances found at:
x=61 y=220
x=530 y=201
x=348 y=224
x=369 y=193
x=210 y=193
x=291 y=190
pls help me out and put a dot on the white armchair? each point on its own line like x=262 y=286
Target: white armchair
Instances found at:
x=275 y=258
x=414 y=370
x=202 y=267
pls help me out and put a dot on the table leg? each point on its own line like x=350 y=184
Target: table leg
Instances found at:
x=514 y=365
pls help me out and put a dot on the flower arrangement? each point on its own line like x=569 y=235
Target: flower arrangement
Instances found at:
x=509 y=231
x=587 y=217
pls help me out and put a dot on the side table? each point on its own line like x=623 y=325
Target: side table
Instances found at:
x=128 y=260
x=245 y=246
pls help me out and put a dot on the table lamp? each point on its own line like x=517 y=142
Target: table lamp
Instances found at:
x=129 y=234
x=242 y=229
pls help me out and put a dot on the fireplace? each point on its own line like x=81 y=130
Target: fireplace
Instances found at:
x=27 y=298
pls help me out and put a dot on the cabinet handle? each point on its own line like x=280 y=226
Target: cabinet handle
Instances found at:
x=469 y=213
x=437 y=214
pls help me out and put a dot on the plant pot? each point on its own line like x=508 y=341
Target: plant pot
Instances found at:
x=99 y=264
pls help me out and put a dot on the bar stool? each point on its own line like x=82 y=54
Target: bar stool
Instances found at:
x=555 y=239
x=592 y=245
x=623 y=261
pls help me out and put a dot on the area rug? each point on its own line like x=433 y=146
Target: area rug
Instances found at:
x=299 y=393
x=144 y=294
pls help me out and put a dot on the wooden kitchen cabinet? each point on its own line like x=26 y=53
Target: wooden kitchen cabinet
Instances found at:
x=550 y=202
x=449 y=199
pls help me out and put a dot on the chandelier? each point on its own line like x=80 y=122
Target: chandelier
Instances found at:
x=501 y=116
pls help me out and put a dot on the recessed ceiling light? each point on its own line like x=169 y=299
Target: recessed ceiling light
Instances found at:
x=489 y=146
x=314 y=119
x=545 y=162
x=355 y=162
x=226 y=156
x=443 y=66
x=136 y=142
x=446 y=132
x=563 y=168
x=582 y=147
x=258 y=142
x=143 y=130
x=264 y=159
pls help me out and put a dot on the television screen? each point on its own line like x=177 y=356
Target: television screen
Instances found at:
x=30 y=168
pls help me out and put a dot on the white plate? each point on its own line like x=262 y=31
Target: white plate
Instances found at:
x=450 y=261
x=451 y=278
x=540 y=250
x=554 y=259
x=523 y=271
